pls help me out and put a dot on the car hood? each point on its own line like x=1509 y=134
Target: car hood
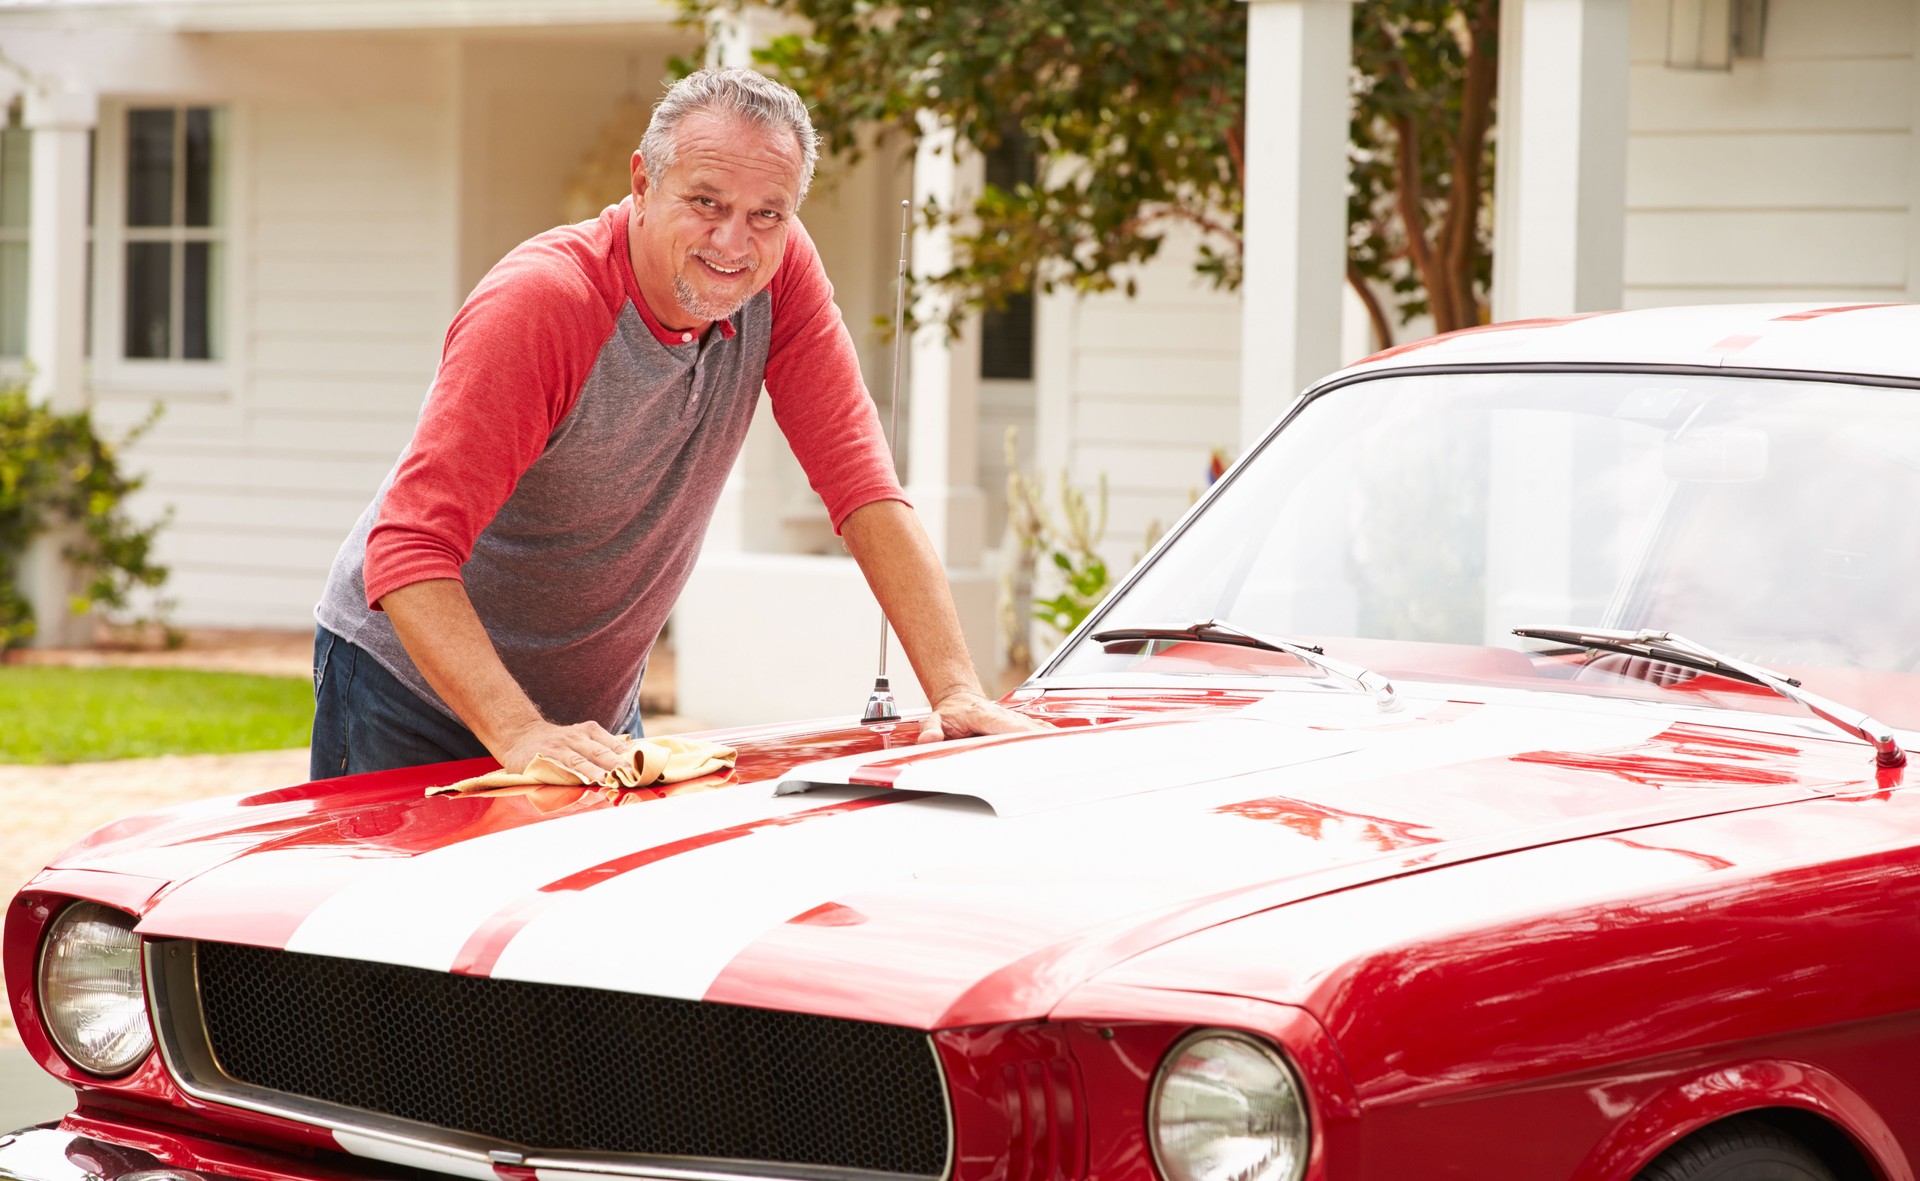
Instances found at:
x=956 y=884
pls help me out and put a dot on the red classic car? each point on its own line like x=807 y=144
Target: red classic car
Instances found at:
x=1501 y=774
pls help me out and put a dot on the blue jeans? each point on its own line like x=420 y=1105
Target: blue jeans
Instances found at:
x=365 y=719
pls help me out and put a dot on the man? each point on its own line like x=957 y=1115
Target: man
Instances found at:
x=500 y=594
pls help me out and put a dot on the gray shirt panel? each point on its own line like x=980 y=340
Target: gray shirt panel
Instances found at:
x=575 y=575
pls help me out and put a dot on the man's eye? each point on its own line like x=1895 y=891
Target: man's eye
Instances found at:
x=770 y=215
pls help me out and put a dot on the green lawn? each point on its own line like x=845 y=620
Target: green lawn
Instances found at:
x=80 y=715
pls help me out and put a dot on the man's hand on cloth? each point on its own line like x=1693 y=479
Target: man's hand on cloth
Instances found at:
x=587 y=749
x=634 y=762
x=966 y=712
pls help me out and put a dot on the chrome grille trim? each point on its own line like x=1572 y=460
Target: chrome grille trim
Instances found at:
x=174 y=1005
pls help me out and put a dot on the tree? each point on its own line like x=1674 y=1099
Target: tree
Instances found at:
x=1421 y=159
x=1135 y=112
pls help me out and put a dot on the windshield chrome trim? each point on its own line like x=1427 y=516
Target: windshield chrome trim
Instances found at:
x=1665 y=369
x=173 y=998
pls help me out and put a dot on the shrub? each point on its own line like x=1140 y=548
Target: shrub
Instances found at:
x=56 y=470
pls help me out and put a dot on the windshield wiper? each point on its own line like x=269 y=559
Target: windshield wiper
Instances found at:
x=1671 y=649
x=1212 y=631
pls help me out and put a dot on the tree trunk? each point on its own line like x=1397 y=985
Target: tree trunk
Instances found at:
x=1376 y=315
x=1411 y=200
x=1460 y=235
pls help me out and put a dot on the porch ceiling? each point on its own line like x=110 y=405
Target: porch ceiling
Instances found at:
x=241 y=16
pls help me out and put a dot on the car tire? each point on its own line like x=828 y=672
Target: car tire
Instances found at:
x=1738 y=1150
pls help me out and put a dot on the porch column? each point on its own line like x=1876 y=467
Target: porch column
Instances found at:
x=1560 y=181
x=57 y=244
x=943 y=419
x=56 y=319
x=1298 y=56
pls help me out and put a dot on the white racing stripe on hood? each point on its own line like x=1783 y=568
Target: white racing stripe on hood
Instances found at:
x=1083 y=765
x=669 y=928
x=419 y=911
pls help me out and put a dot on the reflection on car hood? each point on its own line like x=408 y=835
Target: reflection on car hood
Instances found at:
x=948 y=885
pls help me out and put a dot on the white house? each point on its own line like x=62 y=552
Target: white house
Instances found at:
x=263 y=213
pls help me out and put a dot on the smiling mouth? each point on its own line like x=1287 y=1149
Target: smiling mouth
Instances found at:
x=724 y=272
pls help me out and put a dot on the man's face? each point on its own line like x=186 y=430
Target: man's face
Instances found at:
x=708 y=235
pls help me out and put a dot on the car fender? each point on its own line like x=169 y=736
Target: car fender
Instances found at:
x=1691 y=1101
x=1335 y=1107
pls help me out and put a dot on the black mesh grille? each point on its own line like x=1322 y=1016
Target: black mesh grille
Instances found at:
x=553 y=1067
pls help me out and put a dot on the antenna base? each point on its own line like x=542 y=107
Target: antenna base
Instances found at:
x=880 y=705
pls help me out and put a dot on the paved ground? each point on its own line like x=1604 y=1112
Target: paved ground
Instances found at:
x=48 y=808
x=229 y=650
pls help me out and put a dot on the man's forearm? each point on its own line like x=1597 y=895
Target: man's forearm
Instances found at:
x=450 y=647
x=908 y=580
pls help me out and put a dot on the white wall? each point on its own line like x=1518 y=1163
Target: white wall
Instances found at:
x=1141 y=389
x=1791 y=177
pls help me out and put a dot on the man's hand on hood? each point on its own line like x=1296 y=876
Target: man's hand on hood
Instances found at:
x=965 y=713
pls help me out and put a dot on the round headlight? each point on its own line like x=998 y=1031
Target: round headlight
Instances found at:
x=90 y=993
x=1226 y=1107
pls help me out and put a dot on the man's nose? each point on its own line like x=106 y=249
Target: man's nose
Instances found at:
x=730 y=237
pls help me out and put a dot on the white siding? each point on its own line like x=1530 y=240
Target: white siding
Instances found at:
x=1791 y=177
x=347 y=273
x=1141 y=390
x=1004 y=406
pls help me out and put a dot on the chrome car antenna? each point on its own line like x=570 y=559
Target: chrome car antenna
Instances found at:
x=880 y=705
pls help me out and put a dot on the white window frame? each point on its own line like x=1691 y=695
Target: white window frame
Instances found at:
x=113 y=372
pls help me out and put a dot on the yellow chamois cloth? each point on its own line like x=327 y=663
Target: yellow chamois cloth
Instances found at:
x=645 y=762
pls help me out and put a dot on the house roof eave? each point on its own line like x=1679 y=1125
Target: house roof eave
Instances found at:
x=293 y=16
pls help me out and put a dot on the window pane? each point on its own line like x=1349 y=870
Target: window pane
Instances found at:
x=13 y=299
x=202 y=303
x=149 y=283
x=16 y=157
x=206 y=166
x=1006 y=339
x=1010 y=162
x=149 y=168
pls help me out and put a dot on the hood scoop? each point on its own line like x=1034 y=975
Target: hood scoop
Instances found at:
x=1021 y=774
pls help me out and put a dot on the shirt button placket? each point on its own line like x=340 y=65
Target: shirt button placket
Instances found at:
x=693 y=374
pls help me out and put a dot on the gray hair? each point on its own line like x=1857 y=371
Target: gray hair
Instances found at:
x=744 y=94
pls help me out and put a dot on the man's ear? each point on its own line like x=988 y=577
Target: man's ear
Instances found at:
x=638 y=168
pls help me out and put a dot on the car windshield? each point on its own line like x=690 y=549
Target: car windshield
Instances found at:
x=1409 y=523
